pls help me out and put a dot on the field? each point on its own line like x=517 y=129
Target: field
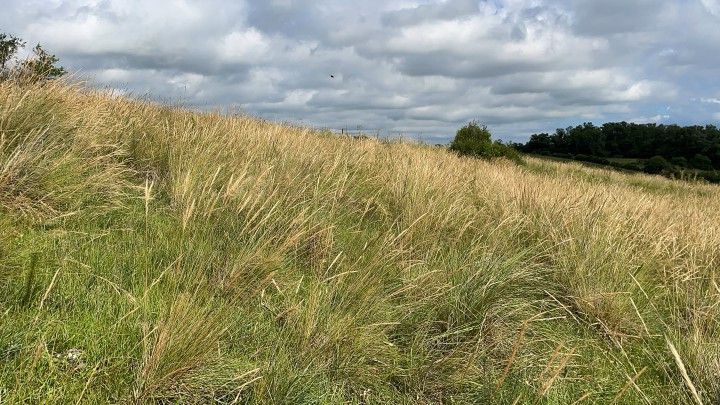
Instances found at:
x=150 y=254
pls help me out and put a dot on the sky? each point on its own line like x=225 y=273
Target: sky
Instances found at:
x=417 y=69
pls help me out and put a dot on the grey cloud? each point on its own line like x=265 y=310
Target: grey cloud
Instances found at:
x=520 y=66
x=448 y=10
x=611 y=17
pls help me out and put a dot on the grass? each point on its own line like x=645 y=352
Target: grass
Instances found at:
x=150 y=254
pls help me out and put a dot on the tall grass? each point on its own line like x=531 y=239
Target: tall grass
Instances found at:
x=155 y=254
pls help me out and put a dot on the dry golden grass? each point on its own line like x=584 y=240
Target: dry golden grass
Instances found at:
x=345 y=270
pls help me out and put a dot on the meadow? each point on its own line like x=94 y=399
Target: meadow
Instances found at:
x=153 y=254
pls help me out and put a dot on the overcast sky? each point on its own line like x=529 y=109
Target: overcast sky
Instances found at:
x=420 y=68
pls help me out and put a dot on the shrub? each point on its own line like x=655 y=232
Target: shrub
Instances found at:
x=713 y=176
x=679 y=161
x=656 y=165
x=499 y=149
x=701 y=162
x=592 y=159
x=635 y=166
x=475 y=140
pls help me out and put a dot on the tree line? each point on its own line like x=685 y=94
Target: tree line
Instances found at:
x=653 y=148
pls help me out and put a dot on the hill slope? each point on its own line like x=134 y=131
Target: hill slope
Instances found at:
x=150 y=253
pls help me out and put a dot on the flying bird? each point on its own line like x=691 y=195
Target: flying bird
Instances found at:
x=332 y=76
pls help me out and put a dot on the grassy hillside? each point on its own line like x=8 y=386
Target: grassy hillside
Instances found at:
x=153 y=254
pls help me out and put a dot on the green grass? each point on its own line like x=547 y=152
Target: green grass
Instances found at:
x=150 y=254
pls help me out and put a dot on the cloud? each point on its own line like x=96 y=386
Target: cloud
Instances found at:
x=492 y=42
x=653 y=120
x=248 y=46
x=712 y=6
x=420 y=68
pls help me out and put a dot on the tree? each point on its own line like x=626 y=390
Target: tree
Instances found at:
x=473 y=139
x=694 y=146
x=538 y=143
x=9 y=46
x=42 y=67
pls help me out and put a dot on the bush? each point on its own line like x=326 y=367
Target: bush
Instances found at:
x=656 y=165
x=592 y=159
x=500 y=149
x=713 y=176
x=475 y=140
x=679 y=161
x=701 y=162
x=635 y=166
x=582 y=157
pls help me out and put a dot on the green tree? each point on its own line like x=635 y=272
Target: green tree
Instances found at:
x=473 y=139
x=42 y=67
x=9 y=46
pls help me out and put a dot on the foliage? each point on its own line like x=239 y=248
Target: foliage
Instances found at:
x=472 y=139
x=701 y=162
x=629 y=140
x=696 y=147
x=656 y=165
x=475 y=140
x=503 y=150
x=150 y=254
x=9 y=45
x=39 y=68
x=679 y=161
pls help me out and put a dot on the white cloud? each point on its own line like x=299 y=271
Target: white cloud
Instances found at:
x=488 y=44
x=713 y=6
x=247 y=47
x=654 y=119
x=426 y=66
